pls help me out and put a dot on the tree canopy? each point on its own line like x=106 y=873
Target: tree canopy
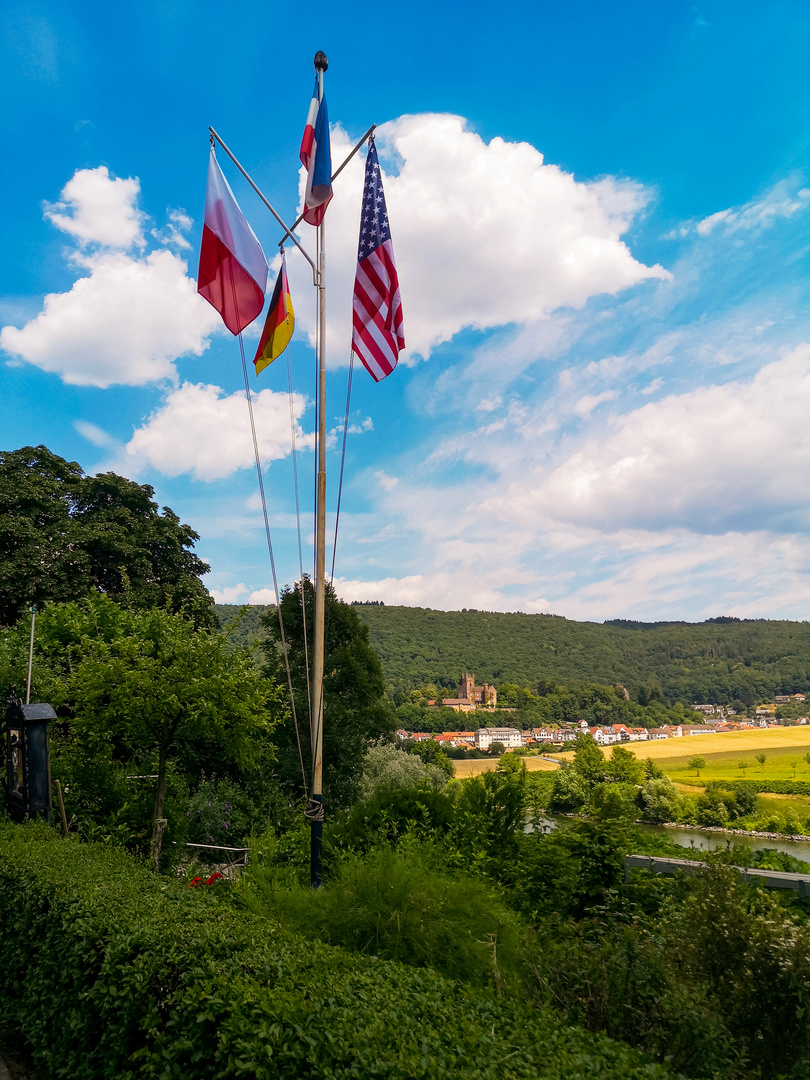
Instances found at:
x=63 y=533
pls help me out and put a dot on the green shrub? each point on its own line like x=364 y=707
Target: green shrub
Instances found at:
x=398 y=904
x=108 y=972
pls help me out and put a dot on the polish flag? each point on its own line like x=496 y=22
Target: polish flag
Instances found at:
x=233 y=270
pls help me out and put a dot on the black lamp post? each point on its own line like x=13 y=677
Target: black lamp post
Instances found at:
x=28 y=763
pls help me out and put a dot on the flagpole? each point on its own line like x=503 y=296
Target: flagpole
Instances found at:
x=316 y=797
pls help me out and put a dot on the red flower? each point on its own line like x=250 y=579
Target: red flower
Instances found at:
x=195 y=882
x=216 y=876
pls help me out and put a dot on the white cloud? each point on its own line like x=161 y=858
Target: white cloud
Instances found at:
x=94 y=434
x=203 y=431
x=233 y=594
x=588 y=402
x=95 y=207
x=262 y=596
x=484 y=234
x=125 y=323
x=712 y=459
x=179 y=222
x=782 y=201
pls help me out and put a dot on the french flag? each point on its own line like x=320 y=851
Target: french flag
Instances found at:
x=233 y=270
x=316 y=157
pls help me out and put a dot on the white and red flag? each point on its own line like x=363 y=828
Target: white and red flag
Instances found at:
x=377 y=334
x=316 y=157
x=233 y=270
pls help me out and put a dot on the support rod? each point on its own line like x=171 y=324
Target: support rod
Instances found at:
x=30 y=655
x=267 y=203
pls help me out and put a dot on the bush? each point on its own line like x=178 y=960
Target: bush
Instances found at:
x=570 y=791
x=398 y=904
x=660 y=798
x=108 y=972
x=387 y=766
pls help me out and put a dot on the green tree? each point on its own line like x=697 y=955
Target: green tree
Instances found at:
x=150 y=685
x=63 y=533
x=432 y=753
x=761 y=759
x=588 y=759
x=743 y=765
x=497 y=748
x=624 y=766
x=697 y=763
x=355 y=710
x=807 y=758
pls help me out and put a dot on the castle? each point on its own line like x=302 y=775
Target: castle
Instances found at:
x=470 y=696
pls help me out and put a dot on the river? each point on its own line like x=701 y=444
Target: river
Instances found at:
x=696 y=840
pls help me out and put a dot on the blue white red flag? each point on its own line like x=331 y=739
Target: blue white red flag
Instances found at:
x=233 y=270
x=316 y=157
x=377 y=333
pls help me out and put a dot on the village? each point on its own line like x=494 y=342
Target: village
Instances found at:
x=471 y=698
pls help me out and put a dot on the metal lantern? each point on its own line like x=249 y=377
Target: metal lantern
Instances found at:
x=28 y=764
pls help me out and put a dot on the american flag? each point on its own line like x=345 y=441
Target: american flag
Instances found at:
x=377 y=335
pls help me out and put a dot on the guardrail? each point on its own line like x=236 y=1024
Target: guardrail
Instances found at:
x=771 y=879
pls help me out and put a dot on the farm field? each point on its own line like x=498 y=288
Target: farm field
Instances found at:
x=476 y=766
x=784 y=750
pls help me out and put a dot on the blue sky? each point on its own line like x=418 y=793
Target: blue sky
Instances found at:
x=601 y=217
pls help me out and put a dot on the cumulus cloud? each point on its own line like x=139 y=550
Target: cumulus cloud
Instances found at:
x=95 y=207
x=485 y=234
x=203 y=431
x=233 y=594
x=125 y=323
x=711 y=459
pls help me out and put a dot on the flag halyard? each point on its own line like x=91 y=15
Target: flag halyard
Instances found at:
x=232 y=275
x=377 y=328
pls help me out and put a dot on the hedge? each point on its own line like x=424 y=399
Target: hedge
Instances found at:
x=107 y=971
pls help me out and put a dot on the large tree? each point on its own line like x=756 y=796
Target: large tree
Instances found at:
x=355 y=710
x=63 y=534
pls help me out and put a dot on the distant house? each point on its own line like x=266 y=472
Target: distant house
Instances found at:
x=797 y=697
x=657 y=733
x=781 y=699
x=511 y=738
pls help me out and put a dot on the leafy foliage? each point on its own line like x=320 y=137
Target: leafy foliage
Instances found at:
x=711 y=662
x=63 y=533
x=109 y=973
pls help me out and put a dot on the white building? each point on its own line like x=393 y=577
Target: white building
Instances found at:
x=509 y=737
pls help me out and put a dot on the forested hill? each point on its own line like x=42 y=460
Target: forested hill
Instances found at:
x=717 y=661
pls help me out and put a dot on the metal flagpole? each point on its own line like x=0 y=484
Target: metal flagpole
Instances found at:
x=316 y=797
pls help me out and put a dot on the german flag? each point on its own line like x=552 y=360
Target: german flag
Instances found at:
x=279 y=325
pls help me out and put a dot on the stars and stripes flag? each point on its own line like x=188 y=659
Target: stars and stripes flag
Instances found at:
x=377 y=334
x=233 y=270
x=316 y=157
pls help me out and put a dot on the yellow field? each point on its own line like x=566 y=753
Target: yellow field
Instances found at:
x=723 y=754
x=475 y=766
